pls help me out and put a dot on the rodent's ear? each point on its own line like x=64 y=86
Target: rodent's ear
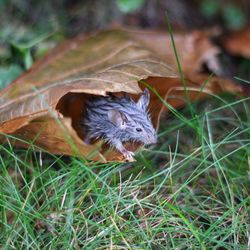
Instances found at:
x=117 y=117
x=144 y=100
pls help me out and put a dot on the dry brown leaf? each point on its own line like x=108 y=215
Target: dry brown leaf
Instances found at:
x=46 y=104
x=194 y=49
x=237 y=43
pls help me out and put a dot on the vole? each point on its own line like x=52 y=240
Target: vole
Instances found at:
x=119 y=119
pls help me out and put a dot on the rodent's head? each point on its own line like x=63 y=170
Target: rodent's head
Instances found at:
x=135 y=121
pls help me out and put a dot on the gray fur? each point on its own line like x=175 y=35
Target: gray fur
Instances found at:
x=117 y=120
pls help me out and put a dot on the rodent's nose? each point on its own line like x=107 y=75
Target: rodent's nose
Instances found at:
x=153 y=140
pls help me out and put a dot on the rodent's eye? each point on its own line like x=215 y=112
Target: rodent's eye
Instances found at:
x=138 y=129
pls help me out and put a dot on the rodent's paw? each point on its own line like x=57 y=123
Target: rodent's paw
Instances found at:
x=128 y=155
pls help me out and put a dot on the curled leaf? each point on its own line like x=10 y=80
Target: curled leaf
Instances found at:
x=47 y=103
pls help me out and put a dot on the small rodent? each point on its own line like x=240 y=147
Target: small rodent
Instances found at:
x=119 y=119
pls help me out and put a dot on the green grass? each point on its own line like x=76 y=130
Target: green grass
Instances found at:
x=191 y=191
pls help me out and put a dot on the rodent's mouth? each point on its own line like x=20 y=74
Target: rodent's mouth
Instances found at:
x=149 y=144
